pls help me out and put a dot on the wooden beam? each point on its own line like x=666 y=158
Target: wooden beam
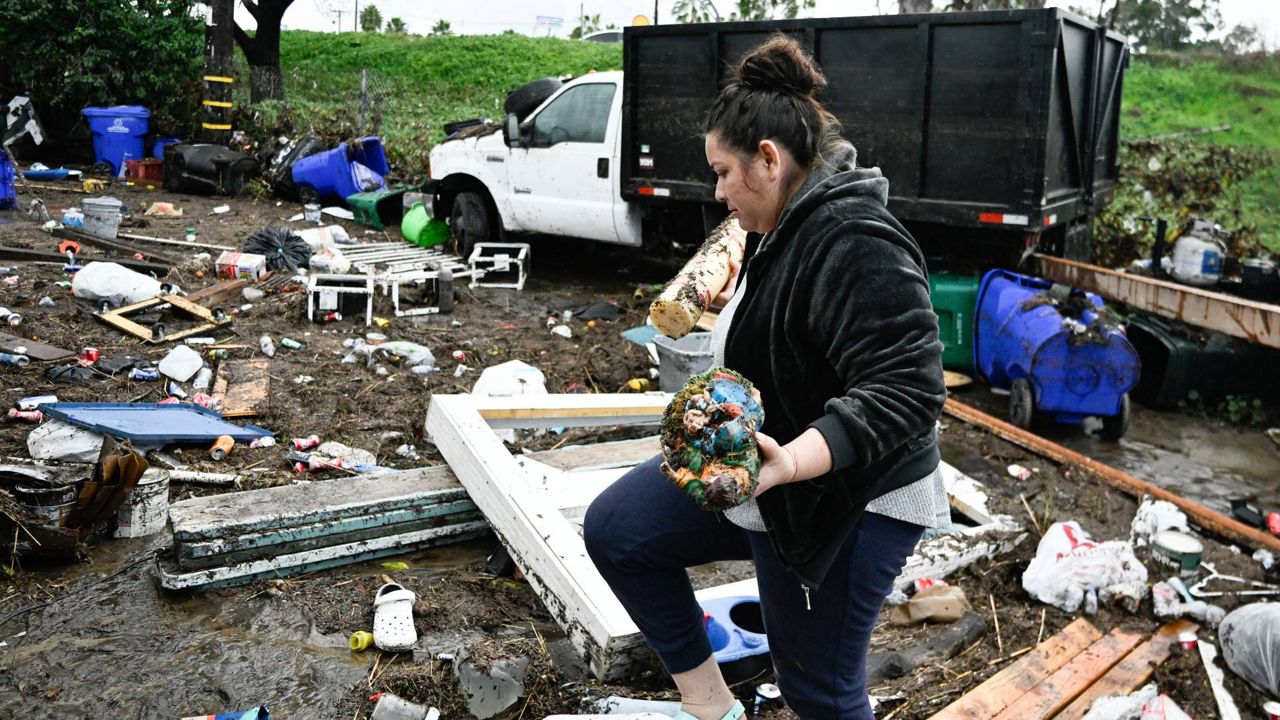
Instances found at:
x=123 y=248
x=1000 y=690
x=1254 y=321
x=244 y=386
x=1227 y=709
x=1202 y=516
x=571 y=409
x=221 y=293
x=28 y=255
x=1131 y=672
x=1069 y=681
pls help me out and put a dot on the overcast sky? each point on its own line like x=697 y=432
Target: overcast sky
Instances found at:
x=495 y=16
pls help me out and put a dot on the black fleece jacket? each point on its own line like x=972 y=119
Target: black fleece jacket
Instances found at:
x=836 y=330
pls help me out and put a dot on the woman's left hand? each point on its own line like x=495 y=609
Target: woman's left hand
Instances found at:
x=777 y=464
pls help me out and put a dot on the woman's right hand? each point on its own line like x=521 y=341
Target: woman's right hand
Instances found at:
x=719 y=301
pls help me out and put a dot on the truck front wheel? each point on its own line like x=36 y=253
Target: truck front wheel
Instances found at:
x=469 y=223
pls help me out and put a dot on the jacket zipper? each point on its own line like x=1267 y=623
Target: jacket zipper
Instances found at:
x=804 y=587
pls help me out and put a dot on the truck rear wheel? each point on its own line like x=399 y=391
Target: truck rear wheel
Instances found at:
x=469 y=223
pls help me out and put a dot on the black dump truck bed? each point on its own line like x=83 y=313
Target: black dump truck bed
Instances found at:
x=1005 y=119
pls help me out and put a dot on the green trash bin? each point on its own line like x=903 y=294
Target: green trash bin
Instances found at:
x=378 y=209
x=954 y=296
x=418 y=228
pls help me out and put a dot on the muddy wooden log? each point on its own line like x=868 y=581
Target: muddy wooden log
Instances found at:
x=28 y=255
x=222 y=293
x=1209 y=520
x=950 y=640
x=122 y=248
x=678 y=307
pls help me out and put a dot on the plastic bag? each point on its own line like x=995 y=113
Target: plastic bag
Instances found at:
x=115 y=284
x=1250 y=638
x=1163 y=708
x=1069 y=564
x=413 y=354
x=1154 y=517
x=58 y=440
x=282 y=248
x=1122 y=707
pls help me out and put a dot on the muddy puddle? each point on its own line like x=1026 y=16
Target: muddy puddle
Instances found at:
x=1204 y=460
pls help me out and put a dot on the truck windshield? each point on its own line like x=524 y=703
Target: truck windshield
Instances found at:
x=580 y=114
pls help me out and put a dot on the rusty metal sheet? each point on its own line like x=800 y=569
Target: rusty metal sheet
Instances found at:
x=35 y=350
x=244 y=386
x=1254 y=321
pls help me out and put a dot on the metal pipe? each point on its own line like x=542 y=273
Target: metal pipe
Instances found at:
x=1210 y=520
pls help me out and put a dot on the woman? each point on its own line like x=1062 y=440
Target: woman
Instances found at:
x=829 y=317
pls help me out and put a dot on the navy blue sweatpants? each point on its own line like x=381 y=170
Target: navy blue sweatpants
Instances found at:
x=642 y=533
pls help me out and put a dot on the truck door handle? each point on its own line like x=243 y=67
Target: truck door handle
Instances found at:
x=602 y=167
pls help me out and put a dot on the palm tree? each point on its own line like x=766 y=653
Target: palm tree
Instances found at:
x=370 y=18
x=441 y=27
x=396 y=25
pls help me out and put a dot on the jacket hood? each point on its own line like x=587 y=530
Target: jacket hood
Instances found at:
x=862 y=191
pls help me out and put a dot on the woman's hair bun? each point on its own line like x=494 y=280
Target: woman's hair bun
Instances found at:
x=781 y=65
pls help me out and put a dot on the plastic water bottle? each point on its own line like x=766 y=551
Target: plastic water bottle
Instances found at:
x=73 y=218
x=12 y=360
x=268 y=347
x=203 y=378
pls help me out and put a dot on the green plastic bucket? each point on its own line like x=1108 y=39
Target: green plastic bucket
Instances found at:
x=419 y=229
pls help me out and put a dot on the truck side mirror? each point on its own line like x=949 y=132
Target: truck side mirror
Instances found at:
x=511 y=131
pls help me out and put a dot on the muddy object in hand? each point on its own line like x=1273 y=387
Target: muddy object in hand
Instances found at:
x=709 y=443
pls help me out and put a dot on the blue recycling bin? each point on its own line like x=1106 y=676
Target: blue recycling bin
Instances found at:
x=157 y=148
x=119 y=134
x=8 y=191
x=1054 y=351
x=352 y=167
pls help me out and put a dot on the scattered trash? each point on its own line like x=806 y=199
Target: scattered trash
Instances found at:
x=27 y=416
x=242 y=265
x=1162 y=708
x=407 y=451
x=258 y=713
x=940 y=603
x=220 y=210
x=252 y=294
x=12 y=360
x=1178 y=550
x=1154 y=517
x=563 y=331
x=114 y=284
x=311 y=213
x=283 y=249
x=222 y=447
x=1259 y=588
x=392 y=707
x=74 y=373
x=181 y=364
x=1020 y=473
x=305 y=443
x=492 y=685
x=47 y=301
x=348 y=456
x=1122 y=707
x=147 y=374
x=35 y=401
x=153 y=425
x=1170 y=600
x=146 y=510
x=360 y=640
x=290 y=343
x=393 y=629
x=1068 y=566
x=160 y=210
x=1264 y=557
x=268 y=347
x=412 y=354
x=395 y=565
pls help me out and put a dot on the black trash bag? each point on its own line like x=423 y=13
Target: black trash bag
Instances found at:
x=282 y=248
x=74 y=373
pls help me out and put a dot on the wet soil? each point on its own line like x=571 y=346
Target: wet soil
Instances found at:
x=99 y=638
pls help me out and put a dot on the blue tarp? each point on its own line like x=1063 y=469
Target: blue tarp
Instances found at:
x=151 y=425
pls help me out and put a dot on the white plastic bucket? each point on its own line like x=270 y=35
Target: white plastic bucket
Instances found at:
x=146 y=510
x=101 y=217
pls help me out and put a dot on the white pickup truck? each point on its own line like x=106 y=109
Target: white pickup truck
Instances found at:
x=555 y=173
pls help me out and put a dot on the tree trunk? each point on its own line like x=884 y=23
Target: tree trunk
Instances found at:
x=265 y=83
x=906 y=7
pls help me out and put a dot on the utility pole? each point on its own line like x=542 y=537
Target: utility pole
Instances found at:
x=339 y=14
x=582 y=21
x=215 y=109
x=357 y=15
x=655 y=12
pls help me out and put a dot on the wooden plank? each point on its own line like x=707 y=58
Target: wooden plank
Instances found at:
x=572 y=409
x=220 y=294
x=1132 y=671
x=1227 y=709
x=35 y=350
x=244 y=386
x=217 y=516
x=118 y=318
x=1200 y=515
x=1064 y=685
x=312 y=560
x=123 y=248
x=28 y=255
x=1006 y=686
x=1249 y=319
x=600 y=456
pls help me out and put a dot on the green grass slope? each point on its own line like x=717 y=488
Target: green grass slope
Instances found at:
x=1165 y=95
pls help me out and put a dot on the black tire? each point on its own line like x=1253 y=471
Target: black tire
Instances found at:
x=1115 y=426
x=1022 y=404
x=526 y=98
x=469 y=223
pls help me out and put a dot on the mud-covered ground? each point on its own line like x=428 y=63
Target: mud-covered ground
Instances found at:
x=100 y=638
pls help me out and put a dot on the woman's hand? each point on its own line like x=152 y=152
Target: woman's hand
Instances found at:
x=719 y=301
x=777 y=464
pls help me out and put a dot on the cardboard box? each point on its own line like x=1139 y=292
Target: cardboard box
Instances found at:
x=245 y=266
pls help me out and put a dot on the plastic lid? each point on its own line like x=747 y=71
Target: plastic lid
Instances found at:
x=118 y=111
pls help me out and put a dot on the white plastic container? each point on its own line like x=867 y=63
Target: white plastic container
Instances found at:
x=679 y=360
x=1197 y=259
x=146 y=510
x=102 y=217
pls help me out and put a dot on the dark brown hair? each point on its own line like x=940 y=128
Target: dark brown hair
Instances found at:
x=775 y=98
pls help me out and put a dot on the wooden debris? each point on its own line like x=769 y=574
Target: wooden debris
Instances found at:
x=1227 y=709
x=244 y=387
x=1131 y=672
x=222 y=293
x=35 y=350
x=948 y=642
x=1069 y=681
x=119 y=319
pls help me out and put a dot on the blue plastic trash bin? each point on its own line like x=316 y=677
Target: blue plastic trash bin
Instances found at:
x=343 y=171
x=157 y=148
x=119 y=134
x=8 y=193
x=1053 y=351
